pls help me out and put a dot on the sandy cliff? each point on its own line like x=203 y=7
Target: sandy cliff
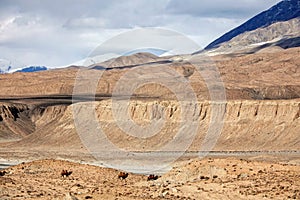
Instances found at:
x=248 y=125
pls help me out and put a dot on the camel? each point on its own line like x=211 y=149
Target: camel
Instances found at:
x=65 y=173
x=2 y=173
x=152 y=177
x=122 y=175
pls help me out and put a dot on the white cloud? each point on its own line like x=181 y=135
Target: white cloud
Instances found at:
x=86 y=23
x=219 y=8
x=54 y=33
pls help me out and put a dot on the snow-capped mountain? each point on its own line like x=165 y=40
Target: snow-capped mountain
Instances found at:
x=9 y=69
x=283 y=11
x=32 y=69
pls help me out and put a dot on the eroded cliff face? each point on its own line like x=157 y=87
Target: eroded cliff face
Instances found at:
x=245 y=125
x=261 y=125
x=15 y=122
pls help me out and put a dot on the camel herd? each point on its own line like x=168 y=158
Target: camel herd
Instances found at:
x=121 y=175
x=124 y=175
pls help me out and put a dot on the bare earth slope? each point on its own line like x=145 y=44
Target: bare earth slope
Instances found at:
x=255 y=76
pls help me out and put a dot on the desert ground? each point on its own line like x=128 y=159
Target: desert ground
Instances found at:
x=209 y=178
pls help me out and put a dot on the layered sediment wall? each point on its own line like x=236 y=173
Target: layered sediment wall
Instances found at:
x=244 y=125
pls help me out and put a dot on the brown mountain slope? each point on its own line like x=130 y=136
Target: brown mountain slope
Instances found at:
x=135 y=59
x=253 y=41
x=257 y=76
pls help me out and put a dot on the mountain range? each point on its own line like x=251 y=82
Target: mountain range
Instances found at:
x=9 y=69
x=281 y=12
x=32 y=69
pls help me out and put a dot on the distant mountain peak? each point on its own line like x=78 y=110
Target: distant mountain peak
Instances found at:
x=283 y=11
x=128 y=60
x=32 y=69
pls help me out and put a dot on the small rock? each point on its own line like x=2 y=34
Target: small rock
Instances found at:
x=69 y=196
x=174 y=190
x=163 y=194
x=243 y=175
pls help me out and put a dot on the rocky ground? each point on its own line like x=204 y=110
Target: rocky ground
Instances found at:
x=210 y=178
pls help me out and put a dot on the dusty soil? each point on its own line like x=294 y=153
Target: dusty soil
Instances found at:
x=210 y=178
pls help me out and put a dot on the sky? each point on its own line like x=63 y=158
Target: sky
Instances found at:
x=60 y=32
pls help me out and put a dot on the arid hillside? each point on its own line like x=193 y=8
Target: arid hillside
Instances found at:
x=266 y=75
